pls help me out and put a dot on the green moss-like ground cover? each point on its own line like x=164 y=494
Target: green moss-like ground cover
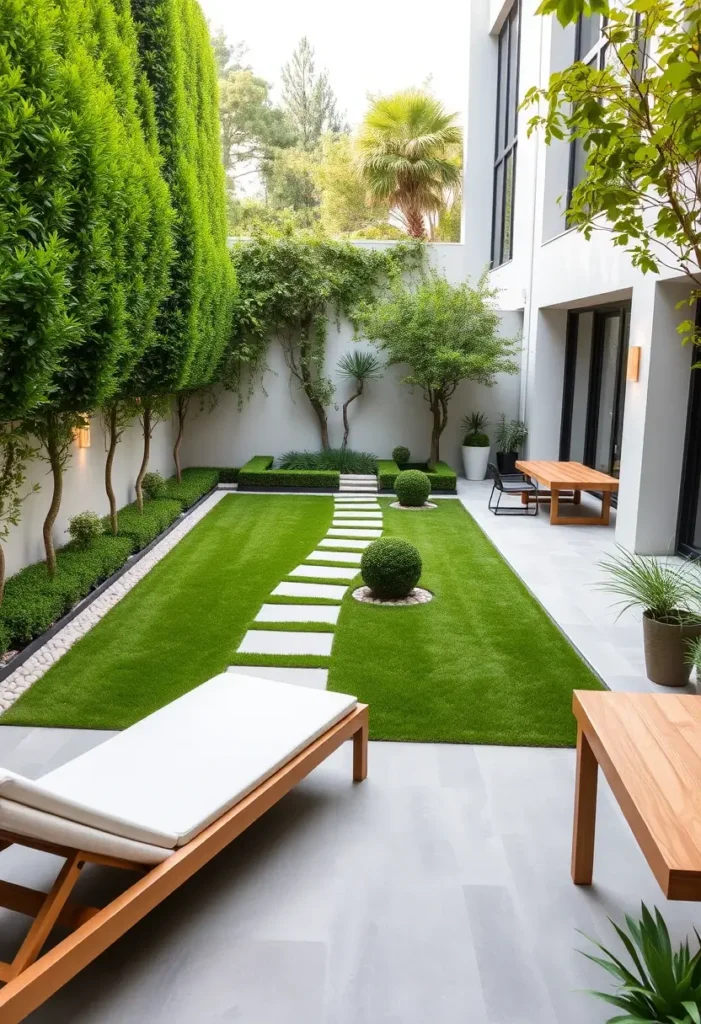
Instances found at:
x=482 y=663
x=183 y=622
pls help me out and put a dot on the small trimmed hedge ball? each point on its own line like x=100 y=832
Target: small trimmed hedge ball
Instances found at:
x=401 y=455
x=390 y=567
x=154 y=486
x=412 y=487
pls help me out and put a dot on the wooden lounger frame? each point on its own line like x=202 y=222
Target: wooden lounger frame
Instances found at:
x=31 y=978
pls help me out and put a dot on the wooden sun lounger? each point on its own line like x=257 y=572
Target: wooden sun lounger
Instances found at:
x=30 y=979
x=649 y=748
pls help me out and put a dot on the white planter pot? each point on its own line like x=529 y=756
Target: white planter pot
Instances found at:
x=475 y=462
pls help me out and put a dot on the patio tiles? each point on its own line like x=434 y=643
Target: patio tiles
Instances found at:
x=299 y=613
x=264 y=641
x=330 y=591
x=324 y=572
x=313 y=677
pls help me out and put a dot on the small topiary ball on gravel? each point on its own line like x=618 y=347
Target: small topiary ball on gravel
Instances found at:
x=390 y=567
x=413 y=488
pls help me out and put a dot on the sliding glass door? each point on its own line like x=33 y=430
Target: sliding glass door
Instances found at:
x=689 y=531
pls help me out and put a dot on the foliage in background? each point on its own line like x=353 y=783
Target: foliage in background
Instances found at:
x=639 y=122
x=411 y=156
x=359 y=367
x=345 y=460
x=308 y=99
x=662 y=984
x=286 y=289
x=445 y=333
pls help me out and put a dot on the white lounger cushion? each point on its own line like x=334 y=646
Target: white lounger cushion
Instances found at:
x=167 y=777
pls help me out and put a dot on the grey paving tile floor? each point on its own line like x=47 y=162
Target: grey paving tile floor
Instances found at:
x=437 y=890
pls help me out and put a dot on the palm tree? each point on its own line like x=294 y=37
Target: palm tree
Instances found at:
x=360 y=367
x=407 y=151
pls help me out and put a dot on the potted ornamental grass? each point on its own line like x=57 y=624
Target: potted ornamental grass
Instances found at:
x=669 y=596
x=510 y=438
x=475 y=446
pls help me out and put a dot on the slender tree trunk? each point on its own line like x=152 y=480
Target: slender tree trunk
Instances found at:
x=54 y=453
x=111 y=496
x=2 y=571
x=346 y=425
x=182 y=403
x=415 y=223
x=323 y=421
x=144 y=461
x=439 y=409
x=303 y=374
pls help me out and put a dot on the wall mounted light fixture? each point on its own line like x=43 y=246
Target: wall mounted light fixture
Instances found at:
x=81 y=435
x=633 y=372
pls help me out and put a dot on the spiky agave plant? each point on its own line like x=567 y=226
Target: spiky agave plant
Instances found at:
x=360 y=366
x=664 y=985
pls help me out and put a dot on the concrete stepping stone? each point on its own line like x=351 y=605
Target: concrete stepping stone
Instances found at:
x=350 y=532
x=271 y=641
x=299 y=613
x=324 y=572
x=313 y=677
x=357 y=514
x=329 y=591
x=358 y=507
x=353 y=523
x=341 y=557
x=340 y=544
x=346 y=498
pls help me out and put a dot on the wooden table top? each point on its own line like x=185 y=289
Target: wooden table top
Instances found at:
x=649 y=747
x=572 y=475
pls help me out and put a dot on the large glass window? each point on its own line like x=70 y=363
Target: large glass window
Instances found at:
x=505 y=143
x=590 y=48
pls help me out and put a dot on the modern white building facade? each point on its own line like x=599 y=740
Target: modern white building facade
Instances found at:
x=581 y=304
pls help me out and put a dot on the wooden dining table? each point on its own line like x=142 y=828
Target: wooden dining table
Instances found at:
x=565 y=481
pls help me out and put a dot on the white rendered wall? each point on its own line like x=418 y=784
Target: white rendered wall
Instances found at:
x=84 y=487
x=387 y=414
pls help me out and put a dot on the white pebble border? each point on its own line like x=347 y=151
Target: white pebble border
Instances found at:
x=414 y=508
x=42 y=660
x=417 y=596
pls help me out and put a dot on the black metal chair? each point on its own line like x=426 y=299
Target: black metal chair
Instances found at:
x=513 y=483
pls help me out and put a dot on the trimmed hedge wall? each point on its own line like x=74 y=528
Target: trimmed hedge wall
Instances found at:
x=194 y=485
x=443 y=478
x=258 y=474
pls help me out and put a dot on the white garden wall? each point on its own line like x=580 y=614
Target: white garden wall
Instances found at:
x=387 y=414
x=84 y=487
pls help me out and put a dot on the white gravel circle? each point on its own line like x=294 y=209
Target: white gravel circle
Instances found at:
x=417 y=596
x=427 y=505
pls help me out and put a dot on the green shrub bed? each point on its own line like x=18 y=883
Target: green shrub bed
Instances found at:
x=228 y=474
x=257 y=473
x=143 y=527
x=195 y=483
x=443 y=478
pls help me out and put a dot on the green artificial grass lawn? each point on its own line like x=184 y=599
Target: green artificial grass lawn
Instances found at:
x=183 y=622
x=481 y=663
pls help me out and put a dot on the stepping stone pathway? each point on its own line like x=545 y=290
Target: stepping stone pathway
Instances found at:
x=358 y=482
x=357 y=521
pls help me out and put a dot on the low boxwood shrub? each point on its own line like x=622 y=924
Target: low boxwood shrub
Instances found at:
x=387 y=473
x=257 y=473
x=195 y=483
x=443 y=478
x=5 y=638
x=143 y=527
x=401 y=455
x=390 y=567
x=84 y=528
x=228 y=474
x=154 y=486
x=412 y=488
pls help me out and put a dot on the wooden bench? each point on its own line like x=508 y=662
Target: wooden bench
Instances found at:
x=649 y=748
x=570 y=478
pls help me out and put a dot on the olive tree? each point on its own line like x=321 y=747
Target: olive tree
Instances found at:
x=445 y=333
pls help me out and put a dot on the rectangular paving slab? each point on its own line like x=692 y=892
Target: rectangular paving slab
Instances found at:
x=299 y=613
x=357 y=507
x=352 y=513
x=368 y=524
x=340 y=543
x=329 y=591
x=324 y=572
x=350 y=532
x=313 y=677
x=336 y=557
x=271 y=641
x=354 y=497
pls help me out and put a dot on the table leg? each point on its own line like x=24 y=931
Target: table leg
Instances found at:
x=554 y=506
x=524 y=497
x=605 y=508
x=577 y=498
x=584 y=812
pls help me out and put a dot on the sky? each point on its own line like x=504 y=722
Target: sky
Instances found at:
x=368 y=46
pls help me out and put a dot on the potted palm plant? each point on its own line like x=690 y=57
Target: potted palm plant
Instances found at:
x=669 y=596
x=510 y=438
x=475 y=446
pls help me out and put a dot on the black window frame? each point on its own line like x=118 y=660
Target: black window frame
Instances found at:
x=596 y=53
x=505 y=144
x=690 y=485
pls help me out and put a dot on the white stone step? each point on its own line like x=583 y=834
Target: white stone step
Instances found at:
x=329 y=591
x=359 y=476
x=324 y=572
x=357 y=545
x=336 y=557
x=272 y=641
x=344 y=524
x=357 y=488
x=349 y=499
x=354 y=513
x=348 y=531
x=313 y=677
x=299 y=613
x=358 y=506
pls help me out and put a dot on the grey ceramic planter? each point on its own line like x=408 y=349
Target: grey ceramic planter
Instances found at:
x=667 y=650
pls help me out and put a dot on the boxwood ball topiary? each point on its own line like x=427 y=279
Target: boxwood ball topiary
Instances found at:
x=390 y=567
x=413 y=488
x=401 y=455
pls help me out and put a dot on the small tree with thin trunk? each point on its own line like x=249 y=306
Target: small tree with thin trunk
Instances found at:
x=55 y=431
x=359 y=367
x=182 y=404
x=152 y=410
x=445 y=333
x=117 y=416
x=15 y=451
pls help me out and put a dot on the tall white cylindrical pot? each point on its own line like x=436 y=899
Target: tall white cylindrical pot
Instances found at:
x=475 y=462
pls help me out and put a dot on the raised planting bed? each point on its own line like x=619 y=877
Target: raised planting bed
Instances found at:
x=443 y=478
x=258 y=475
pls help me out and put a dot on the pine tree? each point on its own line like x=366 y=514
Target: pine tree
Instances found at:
x=308 y=99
